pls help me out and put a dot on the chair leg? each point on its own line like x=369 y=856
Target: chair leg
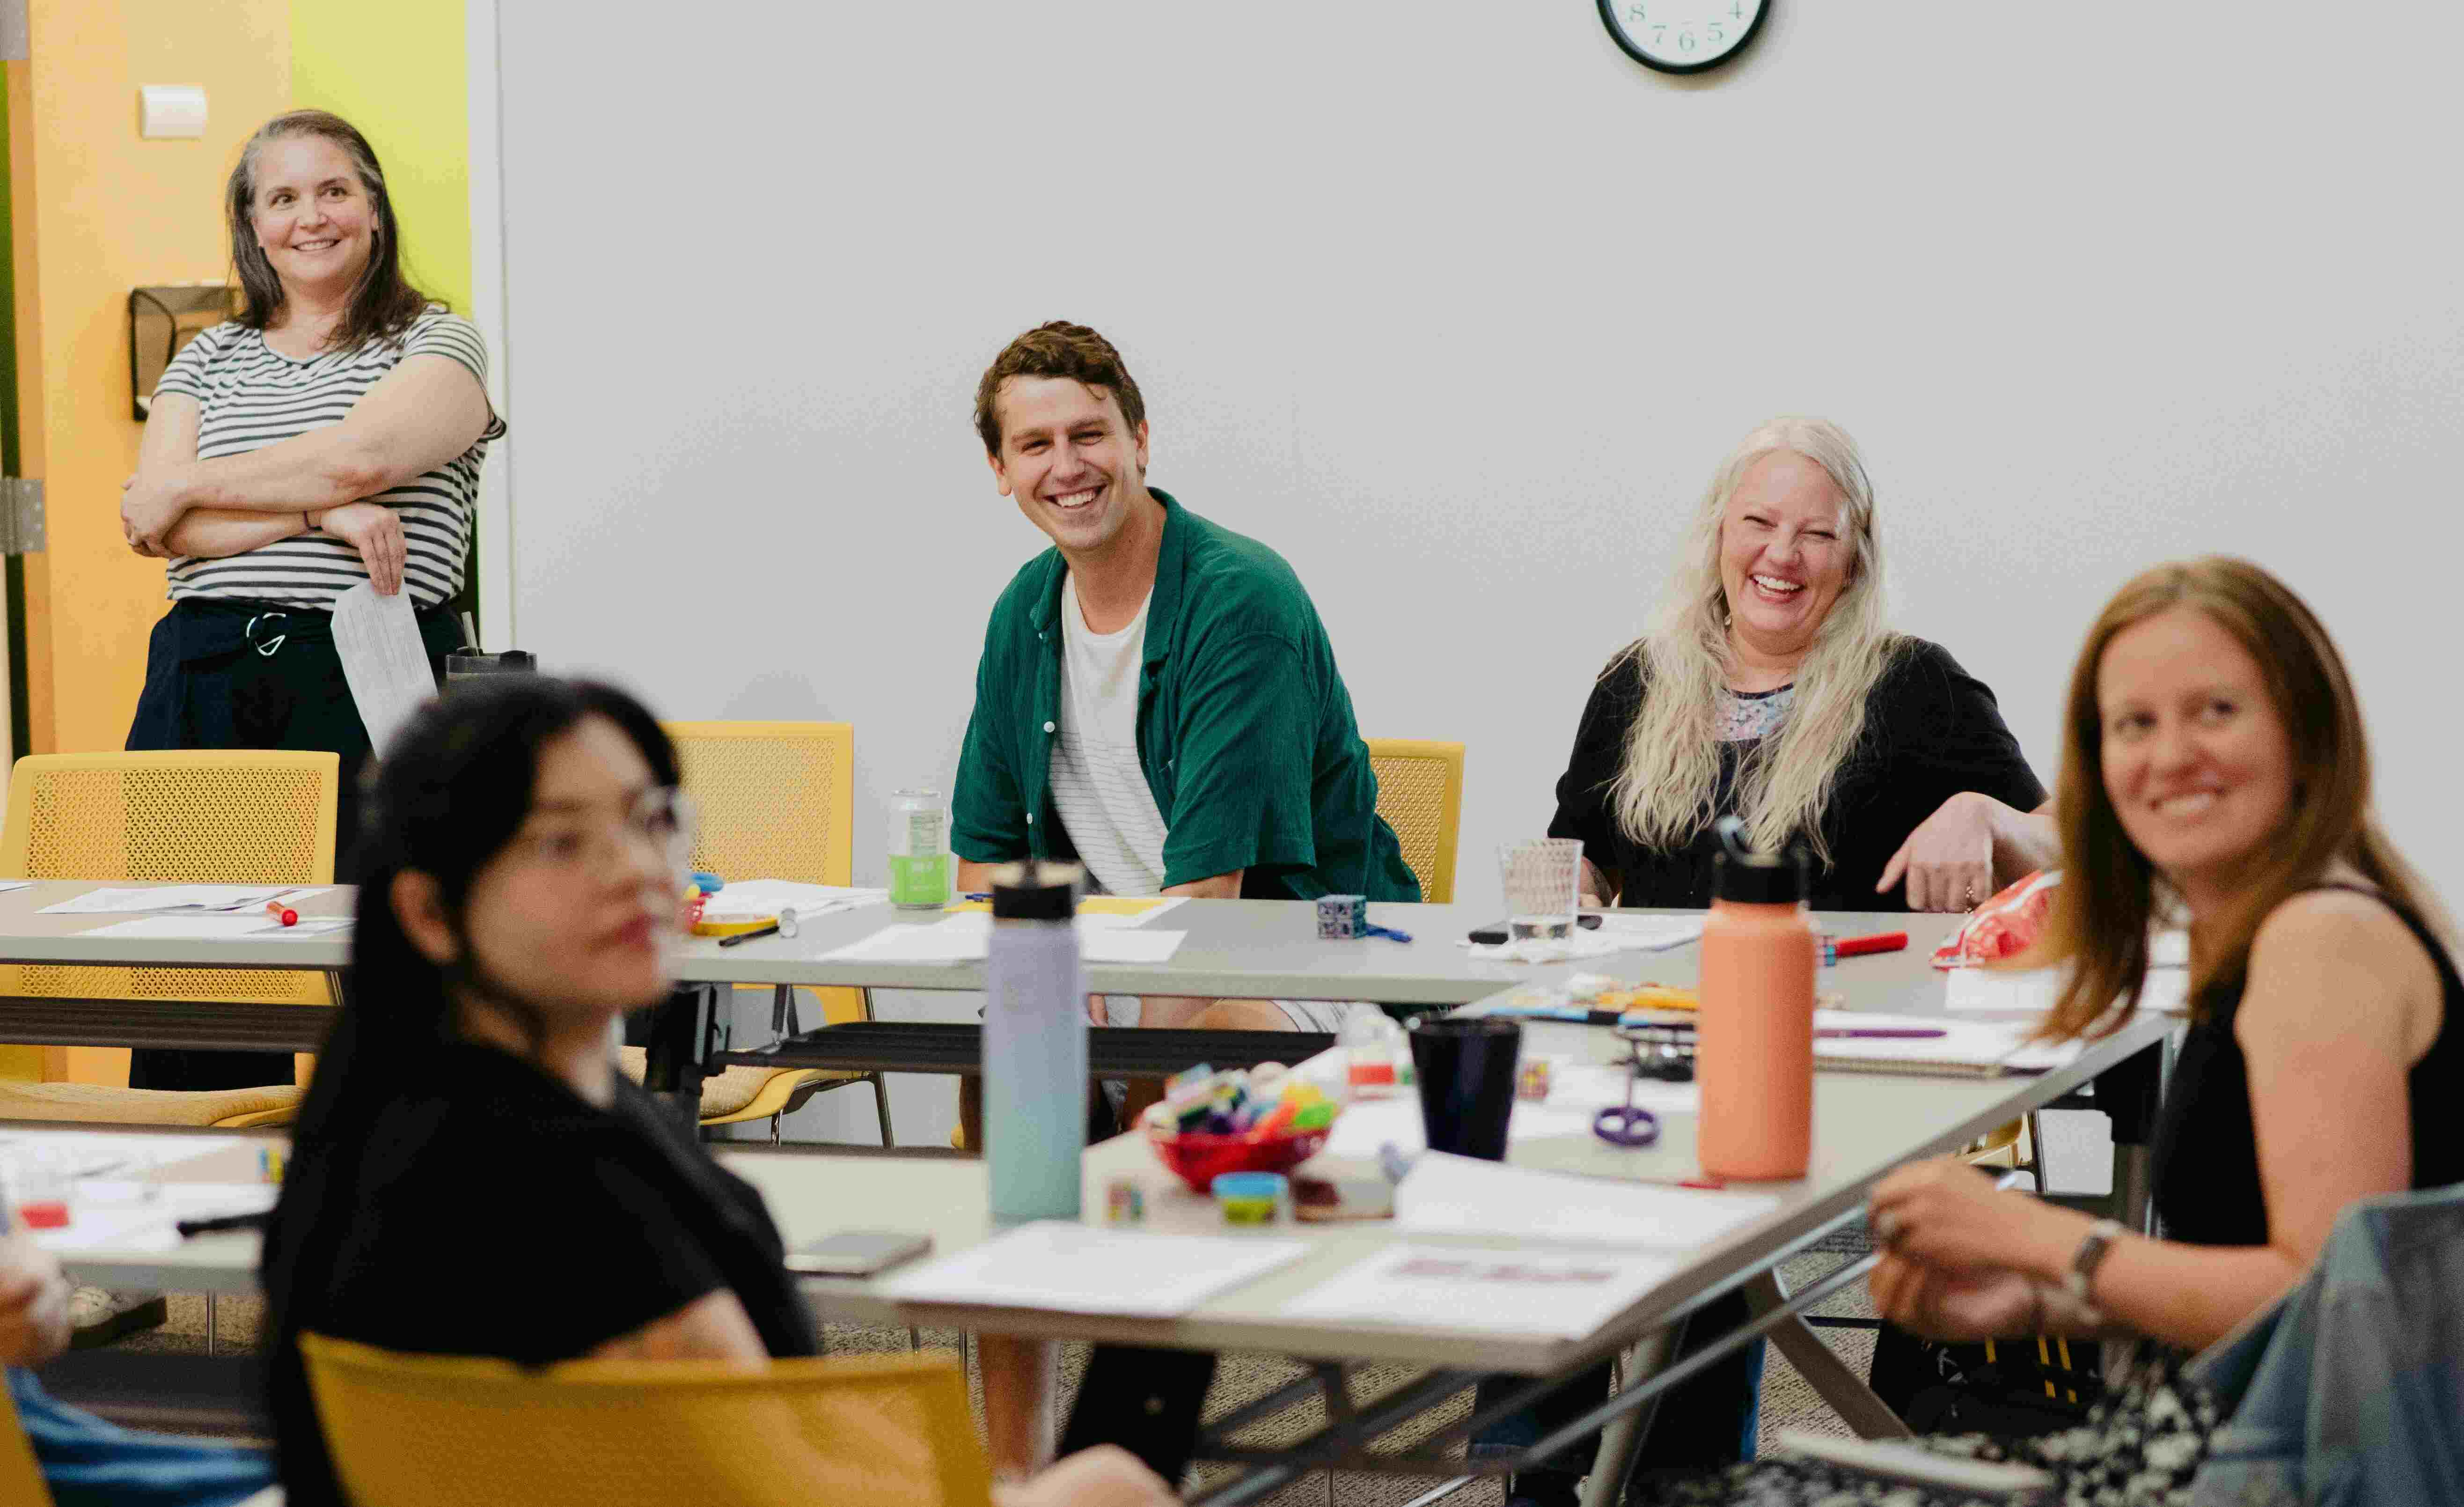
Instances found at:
x=881 y=1106
x=2036 y=1150
x=774 y=1128
x=212 y=1316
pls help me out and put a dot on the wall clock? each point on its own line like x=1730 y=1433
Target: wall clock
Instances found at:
x=1682 y=37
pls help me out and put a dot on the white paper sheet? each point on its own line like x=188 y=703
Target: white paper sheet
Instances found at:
x=1650 y=933
x=966 y=938
x=749 y=899
x=137 y=1217
x=1076 y=1269
x=130 y=1227
x=1615 y=933
x=95 y=1153
x=383 y=660
x=117 y=901
x=1519 y=1292
x=1575 y=1095
x=1465 y=1195
x=180 y=1200
x=2167 y=988
x=192 y=926
x=14 y=884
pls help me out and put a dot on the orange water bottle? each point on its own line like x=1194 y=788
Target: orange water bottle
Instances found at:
x=1754 y=1034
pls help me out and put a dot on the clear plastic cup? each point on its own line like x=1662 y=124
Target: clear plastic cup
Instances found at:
x=1543 y=879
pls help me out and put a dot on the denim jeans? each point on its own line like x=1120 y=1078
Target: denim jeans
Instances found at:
x=90 y=1463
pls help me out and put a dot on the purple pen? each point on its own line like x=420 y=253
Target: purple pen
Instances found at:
x=1881 y=1032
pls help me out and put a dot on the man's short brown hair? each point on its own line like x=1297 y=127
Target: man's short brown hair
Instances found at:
x=1058 y=349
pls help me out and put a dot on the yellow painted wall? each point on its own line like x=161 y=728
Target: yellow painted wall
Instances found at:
x=97 y=211
x=102 y=211
x=399 y=73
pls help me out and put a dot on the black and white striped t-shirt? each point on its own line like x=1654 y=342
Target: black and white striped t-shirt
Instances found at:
x=253 y=396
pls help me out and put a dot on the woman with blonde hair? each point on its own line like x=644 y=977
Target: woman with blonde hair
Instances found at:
x=2214 y=760
x=1771 y=686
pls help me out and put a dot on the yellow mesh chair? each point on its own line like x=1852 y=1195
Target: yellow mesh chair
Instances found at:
x=203 y=817
x=1419 y=792
x=21 y=1479
x=447 y=1432
x=777 y=801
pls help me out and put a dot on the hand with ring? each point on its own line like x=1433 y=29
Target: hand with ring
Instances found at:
x=1948 y=860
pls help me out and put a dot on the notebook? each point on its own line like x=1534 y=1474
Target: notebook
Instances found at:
x=1965 y=1048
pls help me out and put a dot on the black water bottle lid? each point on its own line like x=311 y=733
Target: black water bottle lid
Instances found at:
x=1761 y=879
x=1747 y=877
x=1036 y=891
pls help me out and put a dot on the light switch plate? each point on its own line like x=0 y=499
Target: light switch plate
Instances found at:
x=171 y=112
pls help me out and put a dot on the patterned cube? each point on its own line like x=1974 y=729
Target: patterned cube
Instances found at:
x=1341 y=917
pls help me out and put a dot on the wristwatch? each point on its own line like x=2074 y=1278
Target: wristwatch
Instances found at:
x=2079 y=1280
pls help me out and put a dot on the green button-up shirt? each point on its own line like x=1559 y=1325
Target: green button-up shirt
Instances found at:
x=1245 y=732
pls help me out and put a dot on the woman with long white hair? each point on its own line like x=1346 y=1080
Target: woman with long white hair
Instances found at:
x=1771 y=686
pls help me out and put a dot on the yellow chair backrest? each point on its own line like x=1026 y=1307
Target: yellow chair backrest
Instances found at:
x=778 y=802
x=447 y=1432
x=1419 y=792
x=198 y=817
x=21 y=1479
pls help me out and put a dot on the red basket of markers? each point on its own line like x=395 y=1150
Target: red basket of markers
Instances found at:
x=1265 y=1120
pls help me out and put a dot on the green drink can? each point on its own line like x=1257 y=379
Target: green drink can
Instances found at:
x=919 y=850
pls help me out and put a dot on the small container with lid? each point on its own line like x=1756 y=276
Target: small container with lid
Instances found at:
x=919 y=850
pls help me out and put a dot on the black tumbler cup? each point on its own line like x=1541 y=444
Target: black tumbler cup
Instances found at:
x=1466 y=1069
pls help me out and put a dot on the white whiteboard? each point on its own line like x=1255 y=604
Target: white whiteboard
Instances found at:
x=1457 y=307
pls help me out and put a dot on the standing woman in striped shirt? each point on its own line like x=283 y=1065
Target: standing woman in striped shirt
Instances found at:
x=330 y=435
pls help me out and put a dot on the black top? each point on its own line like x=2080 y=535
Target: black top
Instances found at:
x=2206 y=1152
x=493 y=1212
x=1931 y=731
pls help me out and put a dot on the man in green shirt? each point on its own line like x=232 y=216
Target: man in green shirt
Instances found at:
x=1157 y=698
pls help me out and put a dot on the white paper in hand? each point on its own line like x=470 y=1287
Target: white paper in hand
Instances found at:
x=383 y=658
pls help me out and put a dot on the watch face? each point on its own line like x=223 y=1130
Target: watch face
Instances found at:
x=1682 y=37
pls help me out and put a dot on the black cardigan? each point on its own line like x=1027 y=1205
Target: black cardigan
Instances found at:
x=1931 y=731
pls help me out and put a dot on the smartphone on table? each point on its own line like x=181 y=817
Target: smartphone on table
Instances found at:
x=1495 y=932
x=857 y=1253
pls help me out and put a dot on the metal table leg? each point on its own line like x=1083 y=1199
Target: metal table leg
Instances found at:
x=1621 y=1441
x=1822 y=1368
x=2128 y=1093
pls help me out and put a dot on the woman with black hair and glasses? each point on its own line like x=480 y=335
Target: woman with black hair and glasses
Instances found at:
x=470 y=1175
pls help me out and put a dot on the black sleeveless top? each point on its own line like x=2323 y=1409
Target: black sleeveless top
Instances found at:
x=2208 y=1187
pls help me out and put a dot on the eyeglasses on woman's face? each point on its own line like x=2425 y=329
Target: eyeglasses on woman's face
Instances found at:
x=654 y=829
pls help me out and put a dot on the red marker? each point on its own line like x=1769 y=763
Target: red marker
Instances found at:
x=288 y=915
x=1880 y=942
